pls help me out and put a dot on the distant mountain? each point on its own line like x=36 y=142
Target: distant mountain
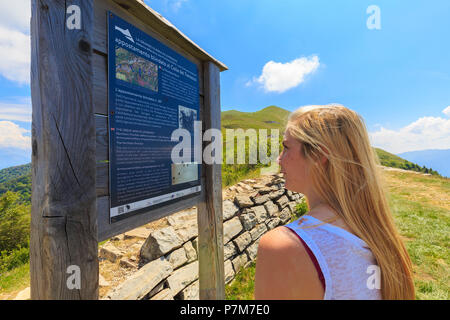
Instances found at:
x=14 y=172
x=17 y=179
x=436 y=159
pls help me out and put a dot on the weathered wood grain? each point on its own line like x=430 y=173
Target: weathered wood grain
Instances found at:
x=210 y=226
x=63 y=214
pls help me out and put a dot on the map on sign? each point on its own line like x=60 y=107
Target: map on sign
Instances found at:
x=152 y=91
x=136 y=70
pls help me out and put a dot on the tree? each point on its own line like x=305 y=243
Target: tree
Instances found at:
x=14 y=222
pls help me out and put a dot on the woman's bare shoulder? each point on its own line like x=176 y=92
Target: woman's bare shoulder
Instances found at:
x=281 y=238
x=284 y=269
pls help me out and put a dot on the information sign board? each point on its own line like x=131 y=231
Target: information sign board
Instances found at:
x=152 y=91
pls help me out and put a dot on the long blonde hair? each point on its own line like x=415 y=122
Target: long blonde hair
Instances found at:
x=350 y=183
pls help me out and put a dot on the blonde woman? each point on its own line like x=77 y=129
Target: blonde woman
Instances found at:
x=346 y=246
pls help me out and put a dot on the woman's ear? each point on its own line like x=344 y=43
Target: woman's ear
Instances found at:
x=324 y=158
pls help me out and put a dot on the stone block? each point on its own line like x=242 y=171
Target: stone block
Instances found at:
x=191 y=253
x=229 y=210
x=140 y=233
x=228 y=271
x=276 y=194
x=191 y=292
x=239 y=262
x=285 y=215
x=248 y=219
x=177 y=258
x=243 y=201
x=231 y=228
x=272 y=208
x=243 y=241
x=260 y=213
x=160 y=242
x=110 y=252
x=183 y=277
x=165 y=294
x=229 y=250
x=260 y=199
x=265 y=190
x=258 y=231
x=252 y=250
x=282 y=202
x=272 y=223
x=142 y=282
x=126 y=263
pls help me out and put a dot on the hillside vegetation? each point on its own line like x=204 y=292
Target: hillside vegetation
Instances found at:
x=420 y=203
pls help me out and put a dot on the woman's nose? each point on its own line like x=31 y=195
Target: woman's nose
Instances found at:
x=279 y=159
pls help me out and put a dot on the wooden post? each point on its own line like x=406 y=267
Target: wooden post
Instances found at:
x=210 y=223
x=63 y=246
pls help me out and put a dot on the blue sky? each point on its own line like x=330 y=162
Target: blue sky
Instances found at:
x=289 y=54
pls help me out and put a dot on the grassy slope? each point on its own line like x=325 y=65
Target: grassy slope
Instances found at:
x=271 y=117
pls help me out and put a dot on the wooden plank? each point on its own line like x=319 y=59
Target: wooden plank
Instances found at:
x=100 y=85
x=150 y=21
x=107 y=230
x=209 y=216
x=63 y=212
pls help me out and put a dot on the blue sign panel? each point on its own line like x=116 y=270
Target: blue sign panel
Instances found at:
x=152 y=91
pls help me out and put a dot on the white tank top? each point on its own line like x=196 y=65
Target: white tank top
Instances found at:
x=346 y=261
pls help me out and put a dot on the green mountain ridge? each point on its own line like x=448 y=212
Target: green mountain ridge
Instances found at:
x=271 y=117
x=18 y=178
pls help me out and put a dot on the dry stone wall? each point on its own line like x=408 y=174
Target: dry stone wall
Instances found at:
x=169 y=255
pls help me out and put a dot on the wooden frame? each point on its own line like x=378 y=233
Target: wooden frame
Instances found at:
x=70 y=195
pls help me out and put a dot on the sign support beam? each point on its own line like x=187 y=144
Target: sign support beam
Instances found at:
x=209 y=214
x=63 y=244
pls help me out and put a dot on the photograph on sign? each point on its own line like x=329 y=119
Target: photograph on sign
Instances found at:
x=152 y=91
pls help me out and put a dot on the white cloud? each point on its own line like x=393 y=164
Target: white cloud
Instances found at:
x=12 y=136
x=16 y=111
x=280 y=77
x=15 y=55
x=16 y=15
x=446 y=111
x=15 y=50
x=424 y=133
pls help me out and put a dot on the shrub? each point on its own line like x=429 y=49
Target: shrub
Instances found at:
x=300 y=209
x=14 y=258
x=14 y=222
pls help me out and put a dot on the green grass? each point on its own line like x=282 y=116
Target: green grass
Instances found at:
x=243 y=285
x=271 y=117
x=16 y=279
x=427 y=229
